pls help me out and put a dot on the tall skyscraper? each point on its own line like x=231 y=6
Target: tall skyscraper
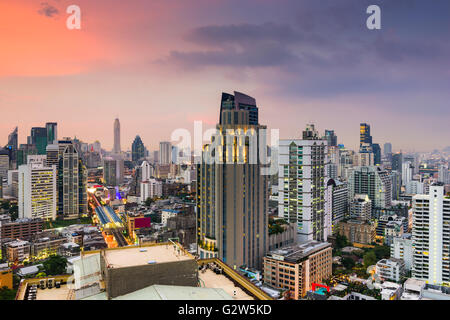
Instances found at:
x=376 y=153
x=38 y=138
x=37 y=189
x=430 y=236
x=397 y=162
x=165 y=152
x=364 y=134
x=373 y=182
x=24 y=151
x=407 y=173
x=232 y=194
x=301 y=185
x=116 y=148
x=4 y=163
x=72 y=182
x=331 y=138
x=387 y=149
x=52 y=154
x=52 y=132
x=12 y=148
x=239 y=101
x=137 y=149
x=113 y=171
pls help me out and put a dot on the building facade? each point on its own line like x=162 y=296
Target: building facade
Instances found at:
x=301 y=187
x=431 y=236
x=232 y=192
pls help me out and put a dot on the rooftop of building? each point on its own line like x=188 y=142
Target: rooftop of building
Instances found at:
x=355 y=221
x=299 y=251
x=137 y=256
x=390 y=261
x=64 y=292
x=164 y=292
x=18 y=243
x=209 y=279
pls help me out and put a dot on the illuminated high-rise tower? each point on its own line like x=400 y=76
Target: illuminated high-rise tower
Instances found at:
x=116 y=149
x=232 y=194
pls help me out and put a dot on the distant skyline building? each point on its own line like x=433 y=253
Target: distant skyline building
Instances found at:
x=38 y=137
x=364 y=134
x=407 y=173
x=165 y=153
x=397 y=162
x=137 y=149
x=12 y=148
x=387 y=149
x=52 y=132
x=373 y=182
x=113 y=171
x=444 y=174
x=116 y=149
x=4 y=163
x=331 y=138
x=147 y=171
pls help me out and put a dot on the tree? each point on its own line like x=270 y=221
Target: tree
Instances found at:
x=369 y=259
x=55 y=265
x=7 y=294
x=348 y=263
x=341 y=241
x=382 y=252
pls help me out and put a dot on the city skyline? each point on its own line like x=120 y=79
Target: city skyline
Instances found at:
x=165 y=68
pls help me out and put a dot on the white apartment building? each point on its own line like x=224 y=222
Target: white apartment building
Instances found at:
x=150 y=189
x=37 y=190
x=414 y=187
x=147 y=171
x=390 y=269
x=361 y=207
x=301 y=187
x=431 y=236
x=444 y=174
x=407 y=172
x=401 y=248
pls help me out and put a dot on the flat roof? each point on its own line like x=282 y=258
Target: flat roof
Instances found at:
x=62 y=293
x=209 y=279
x=163 y=292
x=299 y=251
x=137 y=256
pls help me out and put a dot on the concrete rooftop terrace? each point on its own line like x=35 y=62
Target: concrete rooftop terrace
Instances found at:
x=209 y=279
x=138 y=256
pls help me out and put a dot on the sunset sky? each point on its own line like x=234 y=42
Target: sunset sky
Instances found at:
x=158 y=65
